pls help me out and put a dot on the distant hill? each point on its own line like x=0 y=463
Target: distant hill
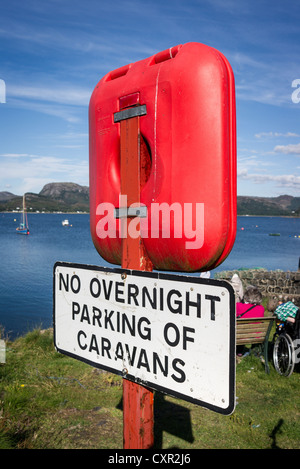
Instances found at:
x=54 y=197
x=70 y=197
x=5 y=196
x=283 y=205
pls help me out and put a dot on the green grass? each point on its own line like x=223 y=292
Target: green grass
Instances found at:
x=50 y=401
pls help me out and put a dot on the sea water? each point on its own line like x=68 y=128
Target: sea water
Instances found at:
x=26 y=273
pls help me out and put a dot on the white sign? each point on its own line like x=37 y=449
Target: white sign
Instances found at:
x=175 y=334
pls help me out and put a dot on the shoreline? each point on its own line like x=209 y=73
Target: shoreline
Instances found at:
x=88 y=213
x=48 y=213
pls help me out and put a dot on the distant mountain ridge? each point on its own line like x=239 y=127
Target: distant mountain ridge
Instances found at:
x=71 y=197
x=54 y=197
x=283 y=205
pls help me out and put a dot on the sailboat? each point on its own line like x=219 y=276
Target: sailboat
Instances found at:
x=23 y=228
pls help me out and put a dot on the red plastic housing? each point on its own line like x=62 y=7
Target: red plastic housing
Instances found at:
x=189 y=133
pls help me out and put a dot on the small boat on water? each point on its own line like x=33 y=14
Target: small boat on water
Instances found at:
x=65 y=223
x=23 y=228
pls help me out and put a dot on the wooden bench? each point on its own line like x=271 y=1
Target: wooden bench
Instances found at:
x=255 y=331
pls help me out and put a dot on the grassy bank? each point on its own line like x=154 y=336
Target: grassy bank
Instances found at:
x=48 y=400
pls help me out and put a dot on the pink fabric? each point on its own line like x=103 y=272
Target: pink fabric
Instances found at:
x=256 y=312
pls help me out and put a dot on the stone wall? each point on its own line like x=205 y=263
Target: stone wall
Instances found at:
x=271 y=283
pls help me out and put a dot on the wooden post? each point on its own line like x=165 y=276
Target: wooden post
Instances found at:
x=137 y=400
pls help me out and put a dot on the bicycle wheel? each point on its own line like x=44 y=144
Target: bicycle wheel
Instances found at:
x=283 y=355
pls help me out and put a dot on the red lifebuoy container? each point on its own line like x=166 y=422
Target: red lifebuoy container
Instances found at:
x=189 y=132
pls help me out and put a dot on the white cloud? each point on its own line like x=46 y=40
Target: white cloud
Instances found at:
x=68 y=113
x=31 y=172
x=276 y=134
x=15 y=155
x=69 y=146
x=285 y=180
x=54 y=93
x=288 y=149
x=63 y=100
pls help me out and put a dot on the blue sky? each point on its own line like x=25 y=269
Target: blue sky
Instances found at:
x=53 y=53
